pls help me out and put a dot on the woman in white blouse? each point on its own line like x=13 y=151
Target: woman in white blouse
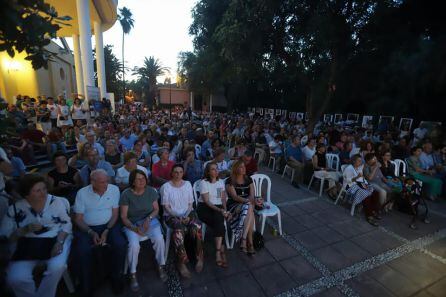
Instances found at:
x=63 y=114
x=212 y=208
x=177 y=199
x=78 y=112
x=40 y=226
x=361 y=191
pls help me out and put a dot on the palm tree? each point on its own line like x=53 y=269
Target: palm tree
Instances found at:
x=147 y=74
x=127 y=23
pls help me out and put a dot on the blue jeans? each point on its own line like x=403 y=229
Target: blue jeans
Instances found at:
x=83 y=250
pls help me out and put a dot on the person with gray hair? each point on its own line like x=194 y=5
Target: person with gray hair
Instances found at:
x=96 y=215
x=93 y=163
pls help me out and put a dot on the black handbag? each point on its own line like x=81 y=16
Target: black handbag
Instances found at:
x=32 y=248
x=258 y=241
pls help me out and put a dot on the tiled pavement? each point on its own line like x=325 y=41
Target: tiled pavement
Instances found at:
x=323 y=252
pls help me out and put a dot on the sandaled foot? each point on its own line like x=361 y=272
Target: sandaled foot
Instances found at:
x=184 y=272
x=134 y=286
x=251 y=250
x=162 y=274
x=243 y=246
x=224 y=262
x=372 y=221
x=199 y=265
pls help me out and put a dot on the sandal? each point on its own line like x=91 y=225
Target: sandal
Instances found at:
x=243 y=248
x=224 y=263
x=372 y=222
x=219 y=262
x=251 y=250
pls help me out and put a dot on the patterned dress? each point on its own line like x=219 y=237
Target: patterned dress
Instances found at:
x=238 y=210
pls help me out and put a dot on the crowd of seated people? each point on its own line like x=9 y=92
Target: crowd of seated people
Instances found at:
x=134 y=172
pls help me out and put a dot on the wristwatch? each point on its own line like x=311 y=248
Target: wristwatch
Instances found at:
x=150 y=218
x=61 y=241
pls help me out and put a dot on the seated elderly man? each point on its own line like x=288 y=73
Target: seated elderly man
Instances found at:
x=91 y=139
x=93 y=163
x=96 y=215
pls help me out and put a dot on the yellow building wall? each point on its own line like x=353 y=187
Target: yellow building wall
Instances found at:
x=16 y=76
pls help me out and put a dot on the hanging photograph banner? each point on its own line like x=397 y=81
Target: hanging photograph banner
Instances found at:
x=367 y=122
x=300 y=116
x=338 y=118
x=353 y=117
x=328 y=118
x=406 y=124
x=292 y=115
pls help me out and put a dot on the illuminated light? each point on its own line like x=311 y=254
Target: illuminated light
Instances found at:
x=13 y=65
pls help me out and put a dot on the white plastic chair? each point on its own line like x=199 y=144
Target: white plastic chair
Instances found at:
x=272 y=158
x=331 y=160
x=289 y=168
x=398 y=164
x=272 y=209
x=344 y=184
x=344 y=189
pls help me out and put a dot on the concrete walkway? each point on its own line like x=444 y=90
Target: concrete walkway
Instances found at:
x=323 y=252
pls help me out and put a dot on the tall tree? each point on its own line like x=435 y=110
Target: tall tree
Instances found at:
x=147 y=76
x=127 y=23
x=29 y=26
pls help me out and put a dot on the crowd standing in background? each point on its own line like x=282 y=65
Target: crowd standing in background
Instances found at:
x=117 y=177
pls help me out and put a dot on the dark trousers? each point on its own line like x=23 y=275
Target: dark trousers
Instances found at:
x=84 y=252
x=371 y=204
x=214 y=219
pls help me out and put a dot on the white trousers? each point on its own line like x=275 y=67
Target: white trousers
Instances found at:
x=20 y=275
x=331 y=176
x=155 y=235
x=382 y=190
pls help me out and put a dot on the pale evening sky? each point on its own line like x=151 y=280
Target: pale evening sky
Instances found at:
x=160 y=29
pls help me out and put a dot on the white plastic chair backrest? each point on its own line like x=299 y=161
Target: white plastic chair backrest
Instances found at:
x=397 y=168
x=258 y=180
x=332 y=161
x=400 y=163
x=304 y=140
x=197 y=151
x=196 y=190
x=342 y=170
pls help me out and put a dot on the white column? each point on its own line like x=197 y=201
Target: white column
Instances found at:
x=78 y=65
x=83 y=15
x=210 y=103
x=191 y=101
x=100 y=62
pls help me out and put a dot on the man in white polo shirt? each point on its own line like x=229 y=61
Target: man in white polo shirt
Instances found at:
x=96 y=213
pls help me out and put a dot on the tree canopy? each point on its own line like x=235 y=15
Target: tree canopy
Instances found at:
x=368 y=56
x=29 y=26
x=147 y=75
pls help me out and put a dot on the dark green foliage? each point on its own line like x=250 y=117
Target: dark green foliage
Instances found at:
x=374 y=57
x=29 y=25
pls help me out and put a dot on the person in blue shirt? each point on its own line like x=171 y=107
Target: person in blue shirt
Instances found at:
x=18 y=167
x=128 y=140
x=293 y=155
x=93 y=163
x=207 y=145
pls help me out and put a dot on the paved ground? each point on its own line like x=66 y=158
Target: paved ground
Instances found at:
x=323 y=252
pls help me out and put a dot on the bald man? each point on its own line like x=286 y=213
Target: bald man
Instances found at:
x=96 y=213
